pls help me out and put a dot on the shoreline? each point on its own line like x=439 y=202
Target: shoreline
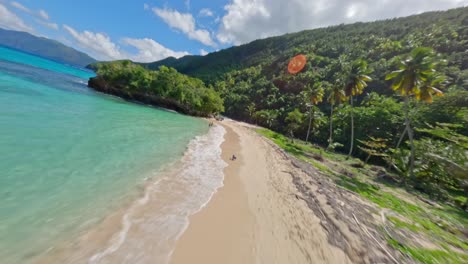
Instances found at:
x=225 y=224
x=254 y=217
x=161 y=211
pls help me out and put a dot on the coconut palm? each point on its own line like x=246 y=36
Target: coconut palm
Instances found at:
x=430 y=88
x=416 y=76
x=355 y=83
x=336 y=97
x=314 y=95
x=251 y=111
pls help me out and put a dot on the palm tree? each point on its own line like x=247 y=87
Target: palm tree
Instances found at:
x=336 y=97
x=315 y=95
x=355 y=83
x=251 y=111
x=416 y=76
x=294 y=120
x=429 y=88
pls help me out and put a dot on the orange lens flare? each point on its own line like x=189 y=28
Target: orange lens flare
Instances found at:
x=297 y=64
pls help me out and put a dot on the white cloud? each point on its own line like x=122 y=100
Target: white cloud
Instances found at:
x=246 y=20
x=40 y=17
x=43 y=14
x=203 y=52
x=205 y=12
x=40 y=13
x=21 y=7
x=10 y=20
x=50 y=25
x=150 y=50
x=100 y=46
x=186 y=24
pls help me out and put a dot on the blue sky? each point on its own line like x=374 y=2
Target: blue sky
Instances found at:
x=149 y=30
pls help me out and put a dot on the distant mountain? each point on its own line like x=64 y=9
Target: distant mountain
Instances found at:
x=44 y=47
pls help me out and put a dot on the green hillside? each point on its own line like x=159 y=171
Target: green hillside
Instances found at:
x=393 y=93
x=46 y=48
x=444 y=31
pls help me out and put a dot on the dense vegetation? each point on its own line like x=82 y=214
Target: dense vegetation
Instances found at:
x=165 y=87
x=374 y=85
x=43 y=47
x=377 y=42
x=393 y=92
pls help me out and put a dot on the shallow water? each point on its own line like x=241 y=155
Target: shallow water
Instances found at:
x=69 y=156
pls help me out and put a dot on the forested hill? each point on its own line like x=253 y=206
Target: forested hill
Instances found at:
x=373 y=90
x=376 y=42
x=46 y=48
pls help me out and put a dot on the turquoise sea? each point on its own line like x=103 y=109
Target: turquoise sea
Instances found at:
x=69 y=156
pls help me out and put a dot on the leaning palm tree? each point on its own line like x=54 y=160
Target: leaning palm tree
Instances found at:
x=355 y=83
x=314 y=95
x=416 y=76
x=336 y=97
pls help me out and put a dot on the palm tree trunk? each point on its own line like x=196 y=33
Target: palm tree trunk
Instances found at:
x=402 y=137
x=399 y=143
x=367 y=159
x=310 y=124
x=411 y=138
x=330 y=138
x=410 y=135
x=352 y=128
x=312 y=131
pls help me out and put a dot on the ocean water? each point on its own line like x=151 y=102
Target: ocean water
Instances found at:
x=70 y=156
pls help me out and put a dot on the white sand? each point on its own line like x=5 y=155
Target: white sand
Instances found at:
x=255 y=217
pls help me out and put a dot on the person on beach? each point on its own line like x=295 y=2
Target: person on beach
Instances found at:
x=233 y=158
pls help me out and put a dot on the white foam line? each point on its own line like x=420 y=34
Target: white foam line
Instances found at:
x=187 y=218
x=216 y=138
x=122 y=235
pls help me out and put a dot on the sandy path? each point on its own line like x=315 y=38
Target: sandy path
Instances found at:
x=255 y=217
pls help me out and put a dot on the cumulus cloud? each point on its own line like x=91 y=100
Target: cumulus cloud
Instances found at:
x=43 y=14
x=205 y=12
x=150 y=50
x=10 y=20
x=186 y=24
x=246 y=20
x=100 y=46
x=203 y=52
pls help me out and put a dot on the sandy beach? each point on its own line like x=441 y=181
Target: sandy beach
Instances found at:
x=255 y=217
x=272 y=208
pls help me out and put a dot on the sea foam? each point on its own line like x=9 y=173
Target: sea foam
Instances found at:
x=152 y=225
